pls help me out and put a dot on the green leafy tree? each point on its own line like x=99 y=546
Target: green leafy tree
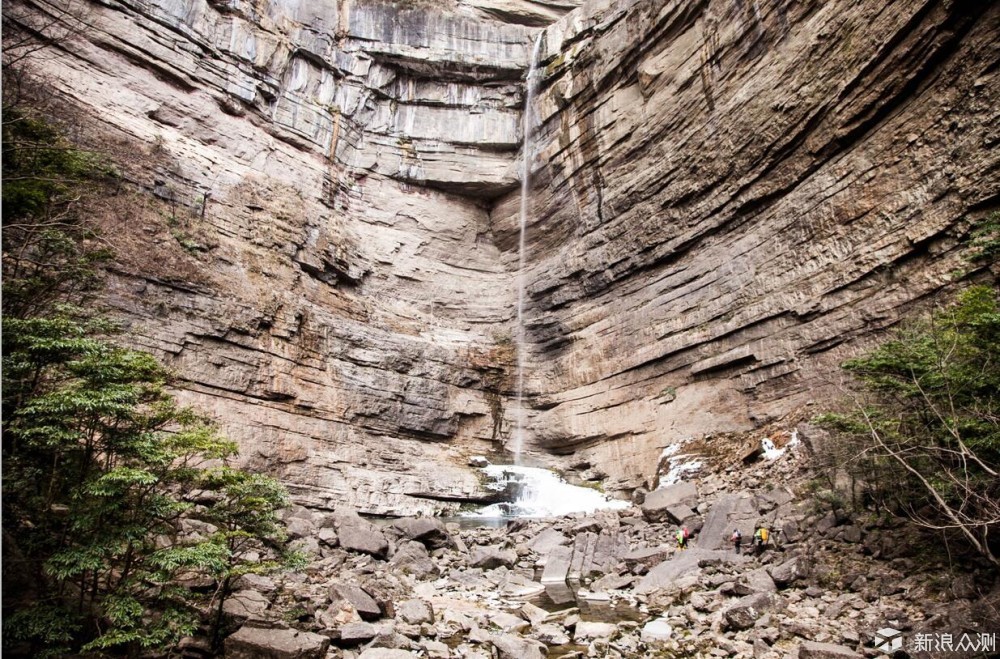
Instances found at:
x=986 y=240
x=246 y=515
x=927 y=424
x=101 y=466
x=50 y=254
x=100 y=469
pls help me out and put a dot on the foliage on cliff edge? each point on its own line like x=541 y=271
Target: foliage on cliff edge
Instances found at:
x=925 y=429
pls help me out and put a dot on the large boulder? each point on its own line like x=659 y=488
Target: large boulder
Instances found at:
x=299 y=527
x=256 y=643
x=360 y=535
x=428 y=531
x=754 y=581
x=667 y=503
x=510 y=646
x=747 y=610
x=358 y=598
x=414 y=612
x=490 y=558
x=412 y=558
x=790 y=571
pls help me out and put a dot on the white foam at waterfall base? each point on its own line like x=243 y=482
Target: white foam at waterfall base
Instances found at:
x=543 y=494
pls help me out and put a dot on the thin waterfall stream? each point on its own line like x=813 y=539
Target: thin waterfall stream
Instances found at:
x=527 y=157
x=532 y=491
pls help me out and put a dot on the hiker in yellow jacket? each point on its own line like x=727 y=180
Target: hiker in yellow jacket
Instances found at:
x=760 y=537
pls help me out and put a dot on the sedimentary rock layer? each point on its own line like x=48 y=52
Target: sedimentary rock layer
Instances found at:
x=732 y=197
x=728 y=198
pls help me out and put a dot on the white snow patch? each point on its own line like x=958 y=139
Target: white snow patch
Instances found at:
x=543 y=494
x=679 y=465
x=771 y=452
x=678 y=468
x=670 y=450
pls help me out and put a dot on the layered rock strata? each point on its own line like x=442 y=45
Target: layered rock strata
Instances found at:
x=732 y=197
x=728 y=198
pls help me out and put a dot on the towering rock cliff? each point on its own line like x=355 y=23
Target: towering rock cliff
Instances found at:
x=728 y=198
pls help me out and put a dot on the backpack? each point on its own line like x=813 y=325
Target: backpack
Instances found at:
x=763 y=535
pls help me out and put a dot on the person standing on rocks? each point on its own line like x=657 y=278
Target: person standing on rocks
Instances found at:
x=682 y=537
x=737 y=540
x=760 y=536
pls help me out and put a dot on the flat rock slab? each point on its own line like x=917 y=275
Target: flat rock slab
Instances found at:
x=386 y=653
x=517 y=586
x=588 y=631
x=246 y=604
x=680 y=564
x=648 y=556
x=679 y=514
x=557 y=565
x=811 y=650
x=728 y=512
x=514 y=647
x=357 y=632
x=536 y=615
x=509 y=622
x=362 y=602
x=613 y=582
x=256 y=643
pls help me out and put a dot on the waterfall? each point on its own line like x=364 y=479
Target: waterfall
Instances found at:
x=526 y=155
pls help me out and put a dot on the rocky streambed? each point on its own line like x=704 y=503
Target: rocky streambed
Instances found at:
x=606 y=584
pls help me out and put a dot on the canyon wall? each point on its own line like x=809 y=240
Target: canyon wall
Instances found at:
x=727 y=199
